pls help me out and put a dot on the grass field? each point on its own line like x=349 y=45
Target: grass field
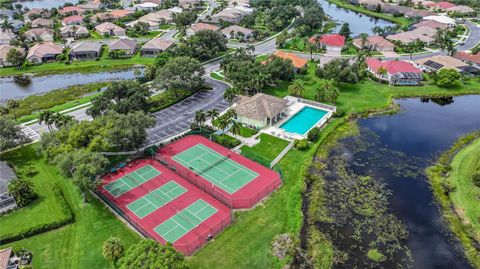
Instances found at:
x=78 y=245
x=268 y=148
x=465 y=197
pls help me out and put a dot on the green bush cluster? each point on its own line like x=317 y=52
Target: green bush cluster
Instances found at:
x=313 y=134
x=66 y=219
x=301 y=144
x=226 y=140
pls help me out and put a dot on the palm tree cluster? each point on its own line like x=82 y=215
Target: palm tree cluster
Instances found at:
x=443 y=40
x=51 y=118
x=224 y=122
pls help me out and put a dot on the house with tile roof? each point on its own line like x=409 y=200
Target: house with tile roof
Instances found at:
x=4 y=49
x=374 y=43
x=238 y=32
x=260 y=110
x=440 y=6
x=161 y=17
x=438 y=62
x=6 y=261
x=71 y=10
x=200 y=26
x=332 y=43
x=85 y=50
x=473 y=59
x=39 y=34
x=36 y=13
x=155 y=46
x=72 y=20
x=460 y=10
x=108 y=28
x=6 y=35
x=431 y=24
x=410 y=37
x=297 y=62
x=395 y=72
x=41 y=22
x=126 y=45
x=74 y=31
x=43 y=52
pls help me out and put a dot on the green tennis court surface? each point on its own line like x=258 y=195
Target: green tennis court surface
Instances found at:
x=184 y=221
x=131 y=180
x=226 y=174
x=155 y=199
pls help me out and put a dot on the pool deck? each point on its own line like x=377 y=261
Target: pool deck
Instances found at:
x=295 y=105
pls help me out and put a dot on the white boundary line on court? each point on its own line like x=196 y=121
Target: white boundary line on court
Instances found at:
x=121 y=180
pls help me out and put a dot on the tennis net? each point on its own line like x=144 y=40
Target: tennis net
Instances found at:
x=224 y=158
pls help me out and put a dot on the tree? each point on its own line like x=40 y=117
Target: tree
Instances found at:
x=200 y=118
x=148 y=254
x=6 y=25
x=212 y=114
x=47 y=117
x=345 y=30
x=13 y=105
x=296 y=88
x=230 y=95
x=15 y=57
x=234 y=127
x=328 y=93
x=62 y=120
x=447 y=77
x=113 y=249
x=341 y=70
x=203 y=45
x=4 y=110
x=22 y=190
x=182 y=20
x=10 y=134
x=363 y=40
x=181 y=73
x=279 y=69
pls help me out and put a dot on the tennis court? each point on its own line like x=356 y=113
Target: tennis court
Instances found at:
x=131 y=180
x=218 y=169
x=155 y=199
x=185 y=220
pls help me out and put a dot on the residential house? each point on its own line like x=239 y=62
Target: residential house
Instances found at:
x=395 y=72
x=418 y=13
x=260 y=110
x=129 y=46
x=375 y=43
x=102 y=17
x=90 y=5
x=146 y=6
x=74 y=31
x=161 y=17
x=121 y=13
x=4 y=49
x=442 y=19
x=431 y=24
x=333 y=43
x=7 y=260
x=238 y=32
x=71 y=10
x=410 y=37
x=461 y=10
x=152 y=26
x=6 y=35
x=196 y=27
x=471 y=59
x=176 y=10
x=72 y=20
x=36 y=13
x=297 y=62
x=155 y=46
x=231 y=14
x=190 y=4
x=234 y=3
x=85 y=50
x=42 y=23
x=158 y=2
x=16 y=24
x=437 y=62
x=440 y=6
x=39 y=34
x=44 y=52
x=7 y=201
x=108 y=28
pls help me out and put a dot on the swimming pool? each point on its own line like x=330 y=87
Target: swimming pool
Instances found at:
x=303 y=120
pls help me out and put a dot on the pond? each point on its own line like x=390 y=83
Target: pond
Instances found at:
x=48 y=4
x=359 y=23
x=395 y=150
x=10 y=89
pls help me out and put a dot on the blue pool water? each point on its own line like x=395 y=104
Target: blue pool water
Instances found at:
x=305 y=119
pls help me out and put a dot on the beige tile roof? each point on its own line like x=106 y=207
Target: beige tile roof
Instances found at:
x=84 y=46
x=446 y=61
x=39 y=32
x=376 y=41
x=107 y=27
x=7 y=34
x=5 y=257
x=4 y=49
x=78 y=29
x=42 y=49
x=159 y=44
x=203 y=26
x=237 y=29
x=123 y=44
x=260 y=106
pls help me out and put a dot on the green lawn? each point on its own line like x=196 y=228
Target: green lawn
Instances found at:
x=103 y=64
x=247 y=132
x=403 y=21
x=268 y=148
x=78 y=245
x=465 y=197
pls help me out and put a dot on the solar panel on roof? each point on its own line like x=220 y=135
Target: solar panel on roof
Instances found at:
x=433 y=64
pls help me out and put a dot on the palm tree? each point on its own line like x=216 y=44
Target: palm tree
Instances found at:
x=382 y=71
x=296 y=88
x=4 y=110
x=223 y=123
x=234 y=126
x=250 y=49
x=212 y=114
x=13 y=105
x=6 y=25
x=230 y=95
x=363 y=39
x=61 y=120
x=200 y=118
x=450 y=47
x=47 y=117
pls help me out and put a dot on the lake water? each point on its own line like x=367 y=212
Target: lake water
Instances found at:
x=48 y=4
x=359 y=23
x=419 y=133
x=9 y=89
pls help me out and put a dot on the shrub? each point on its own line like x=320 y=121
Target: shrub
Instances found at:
x=313 y=134
x=226 y=141
x=375 y=255
x=22 y=190
x=447 y=77
x=28 y=171
x=301 y=144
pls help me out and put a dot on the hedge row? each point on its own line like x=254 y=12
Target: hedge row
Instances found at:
x=68 y=218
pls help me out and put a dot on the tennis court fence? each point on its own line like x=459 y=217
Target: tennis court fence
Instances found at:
x=247 y=201
x=191 y=242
